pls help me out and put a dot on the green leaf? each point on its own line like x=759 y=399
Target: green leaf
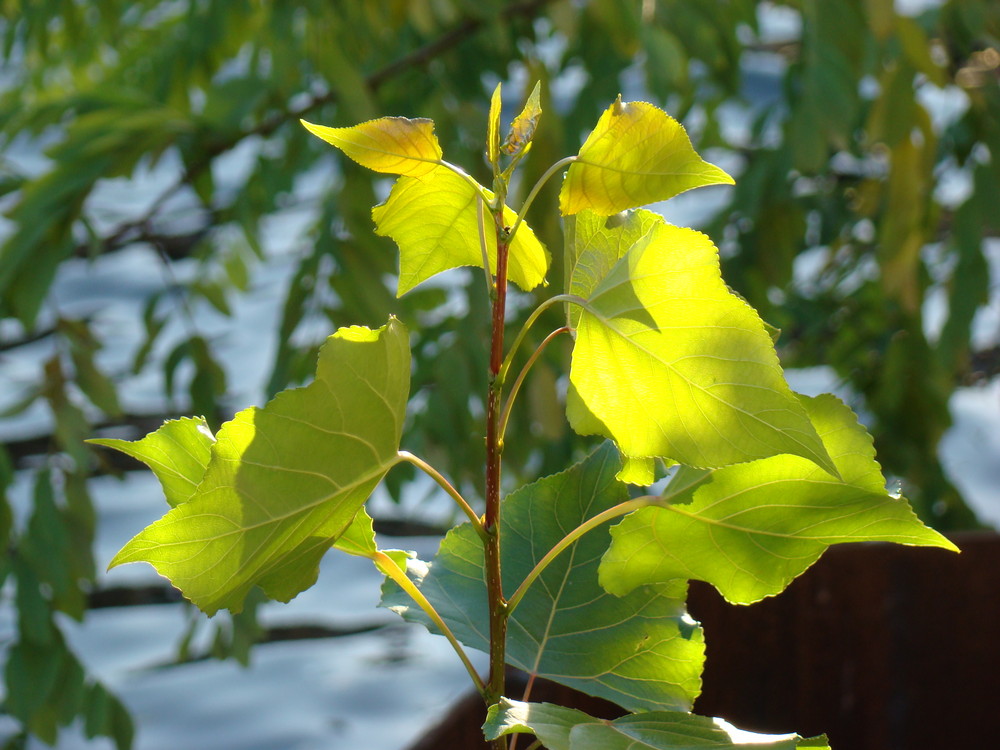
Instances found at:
x=285 y=481
x=393 y=145
x=493 y=127
x=178 y=454
x=561 y=728
x=749 y=530
x=668 y=362
x=550 y=723
x=594 y=243
x=641 y=651
x=434 y=221
x=522 y=130
x=636 y=155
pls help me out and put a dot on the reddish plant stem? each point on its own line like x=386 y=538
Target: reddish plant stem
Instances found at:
x=495 y=685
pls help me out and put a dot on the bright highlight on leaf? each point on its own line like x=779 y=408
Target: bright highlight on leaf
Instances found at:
x=493 y=127
x=641 y=651
x=668 y=362
x=434 y=222
x=394 y=145
x=178 y=453
x=287 y=480
x=749 y=530
x=636 y=155
x=561 y=728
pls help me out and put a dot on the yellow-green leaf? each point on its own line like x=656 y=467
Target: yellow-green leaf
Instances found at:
x=433 y=220
x=750 y=529
x=669 y=363
x=286 y=481
x=394 y=145
x=493 y=127
x=636 y=155
x=178 y=454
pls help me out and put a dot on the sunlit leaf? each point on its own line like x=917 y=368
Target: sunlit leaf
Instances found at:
x=668 y=362
x=640 y=651
x=434 y=221
x=561 y=728
x=394 y=145
x=286 y=480
x=636 y=155
x=177 y=453
x=594 y=243
x=749 y=530
x=493 y=127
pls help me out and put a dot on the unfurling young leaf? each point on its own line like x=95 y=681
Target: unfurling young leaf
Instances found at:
x=636 y=155
x=522 y=130
x=284 y=482
x=493 y=127
x=393 y=145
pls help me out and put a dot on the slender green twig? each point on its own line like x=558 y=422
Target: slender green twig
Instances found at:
x=480 y=190
x=537 y=187
x=505 y=414
x=536 y=313
x=592 y=523
x=481 y=220
x=388 y=566
x=447 y=487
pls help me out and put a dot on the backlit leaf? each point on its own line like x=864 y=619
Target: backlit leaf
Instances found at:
x=287 y=480
x=636 y=155
x=594 y=243
x=668 y=362
x=641 y=651
x=434 y=221
x=561 y=728
x=177 y=453
x=749 y=530
x=394 y=145
x=493 y=127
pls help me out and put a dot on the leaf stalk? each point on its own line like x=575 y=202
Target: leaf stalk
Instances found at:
x=523 y=374
x=536 y=188
x=388 y=566
x=629 y=506
x=447 y=487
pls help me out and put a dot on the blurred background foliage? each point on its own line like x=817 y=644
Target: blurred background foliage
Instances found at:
x=864 y=141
